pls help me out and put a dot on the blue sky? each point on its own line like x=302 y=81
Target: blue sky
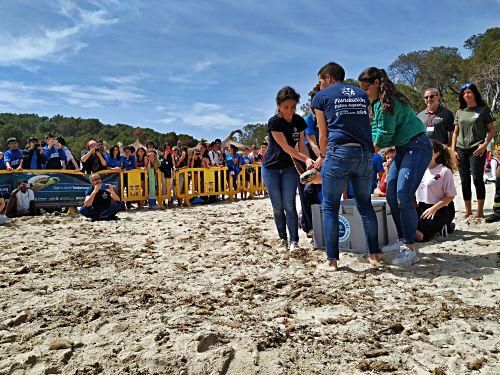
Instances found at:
x=205 y=67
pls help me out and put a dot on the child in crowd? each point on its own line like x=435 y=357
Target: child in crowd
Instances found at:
x=233 y=162
x=152 y=167
x=166 y=167
x=435 y=193
x=141 y=157
x=491 y=166
x=381 y=189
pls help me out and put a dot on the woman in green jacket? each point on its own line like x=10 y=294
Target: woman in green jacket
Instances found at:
x=395 y=123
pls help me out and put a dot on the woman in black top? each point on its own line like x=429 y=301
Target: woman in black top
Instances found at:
x=286 y=129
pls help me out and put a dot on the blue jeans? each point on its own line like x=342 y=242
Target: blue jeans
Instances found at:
x=404 y=177
x=109 y=213
x=281 y=184
x=344 y=163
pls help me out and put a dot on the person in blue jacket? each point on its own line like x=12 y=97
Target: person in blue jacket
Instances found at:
x=34 y=157
x=128 y=161
x=13 y=158
x=53 y=152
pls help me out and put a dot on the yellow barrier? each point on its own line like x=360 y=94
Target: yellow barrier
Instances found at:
x=250 y=180
x=134 y=185
x=203 y=182
x=163 y=184
x=188 y=183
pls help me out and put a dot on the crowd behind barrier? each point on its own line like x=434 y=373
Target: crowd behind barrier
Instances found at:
x=148 y=175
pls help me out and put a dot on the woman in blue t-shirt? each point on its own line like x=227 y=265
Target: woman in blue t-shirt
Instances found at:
x=286 y=129
x=114 y=159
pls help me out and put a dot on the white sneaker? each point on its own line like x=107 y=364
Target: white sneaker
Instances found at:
x=294 y=246
x=392 y=247
x=405 y=257
x=282 y=244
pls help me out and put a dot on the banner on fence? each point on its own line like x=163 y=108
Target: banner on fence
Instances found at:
x=54 y=188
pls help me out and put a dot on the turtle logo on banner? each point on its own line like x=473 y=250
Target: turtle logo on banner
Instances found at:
x=344 y=229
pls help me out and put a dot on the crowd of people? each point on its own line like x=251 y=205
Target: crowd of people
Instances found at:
x=367 y=141
x=52 y=154
x=358 y=142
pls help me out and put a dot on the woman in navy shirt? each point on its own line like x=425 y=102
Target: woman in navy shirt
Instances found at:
x=286 y=130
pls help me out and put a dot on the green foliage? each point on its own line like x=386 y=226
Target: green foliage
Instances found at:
x=253 y=134
x=77 y=131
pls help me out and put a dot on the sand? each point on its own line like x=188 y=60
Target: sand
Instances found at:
x=203 y=290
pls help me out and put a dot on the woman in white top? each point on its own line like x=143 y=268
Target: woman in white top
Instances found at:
x=435 y=193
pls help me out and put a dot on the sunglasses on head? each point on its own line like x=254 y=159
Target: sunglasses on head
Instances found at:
x=465 y=86
x=430 y=96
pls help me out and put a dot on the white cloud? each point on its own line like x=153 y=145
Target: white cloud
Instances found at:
x=124 y=80
x=49 y=43
x=202 y=115
x=190 y=76
x=52 y=43
x=202 y=65
x=17 y=95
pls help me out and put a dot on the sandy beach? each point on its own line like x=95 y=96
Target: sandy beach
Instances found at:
x=204 y=290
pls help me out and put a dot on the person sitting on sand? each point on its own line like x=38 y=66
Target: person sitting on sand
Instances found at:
x=21 y=202
x=3 y=205
x=101 y=201
x=435 y=193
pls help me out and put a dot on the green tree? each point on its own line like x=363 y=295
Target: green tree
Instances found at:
x=253 y=134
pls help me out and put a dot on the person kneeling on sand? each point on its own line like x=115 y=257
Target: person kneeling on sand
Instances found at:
x=435 y=194
x=101 y=201
x=21 y=202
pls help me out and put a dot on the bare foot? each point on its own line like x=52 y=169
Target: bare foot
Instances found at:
x=375 y=260
x=328 y=266
x=467 y=215
x=479 y=215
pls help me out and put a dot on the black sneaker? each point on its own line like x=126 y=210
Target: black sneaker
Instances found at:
x=492 y=218
x=450 y=227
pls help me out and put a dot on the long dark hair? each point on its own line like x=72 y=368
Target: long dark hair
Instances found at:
x=388 y=91
x=286 y=93
x=444 y=156
x=112 y=151
x=477 y=95
x=143 y=156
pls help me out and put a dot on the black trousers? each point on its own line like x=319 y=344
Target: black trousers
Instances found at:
x=429 y=227
x=471 y=165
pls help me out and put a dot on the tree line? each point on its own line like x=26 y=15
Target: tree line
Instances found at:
x=440 y=67
x=77 y=131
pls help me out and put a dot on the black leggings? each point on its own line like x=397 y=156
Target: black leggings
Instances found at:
x=467 y=165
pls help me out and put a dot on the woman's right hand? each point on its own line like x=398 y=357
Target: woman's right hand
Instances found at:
x=318 y=163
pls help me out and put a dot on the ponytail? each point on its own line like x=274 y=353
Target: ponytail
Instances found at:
x=388 y=91
x=444 y=156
